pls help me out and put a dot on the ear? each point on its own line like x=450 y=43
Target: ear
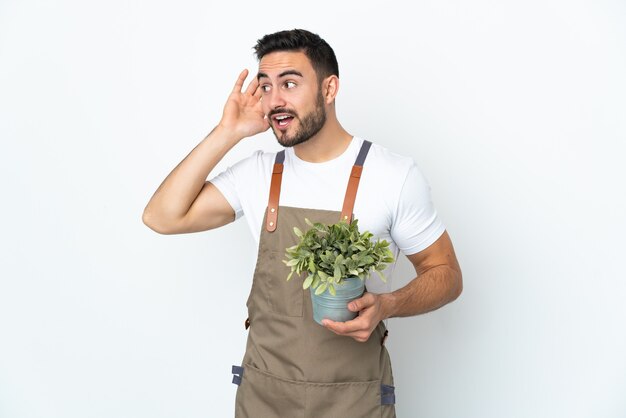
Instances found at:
x=330 y=87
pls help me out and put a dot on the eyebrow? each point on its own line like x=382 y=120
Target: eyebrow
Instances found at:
x=283 y=74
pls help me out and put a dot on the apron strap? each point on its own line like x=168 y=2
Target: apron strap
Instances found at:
x=353 y=183
x=277 y=178
x=348 y=202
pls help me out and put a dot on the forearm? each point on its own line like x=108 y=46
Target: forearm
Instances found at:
x=177 y=192
x=431 y=290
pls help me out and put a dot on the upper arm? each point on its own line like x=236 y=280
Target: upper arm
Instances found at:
x=414 y=221
x=209 y=210
x=439 y=253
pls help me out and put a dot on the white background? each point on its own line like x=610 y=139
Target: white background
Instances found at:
x=515 y=111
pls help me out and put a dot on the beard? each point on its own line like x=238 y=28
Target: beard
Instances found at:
x=310 y=124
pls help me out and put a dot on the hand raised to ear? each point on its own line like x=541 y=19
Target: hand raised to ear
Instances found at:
x=243 y=114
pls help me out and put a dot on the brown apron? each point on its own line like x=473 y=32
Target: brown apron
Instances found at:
x=293 y=367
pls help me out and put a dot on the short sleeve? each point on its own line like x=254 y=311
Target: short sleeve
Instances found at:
x=416 y=224
x=226 y=183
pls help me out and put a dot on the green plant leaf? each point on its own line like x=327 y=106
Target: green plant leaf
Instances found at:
x=316 y=281
x=331 y=289
x=321 y=288
x=307 y=282
x=330 y=252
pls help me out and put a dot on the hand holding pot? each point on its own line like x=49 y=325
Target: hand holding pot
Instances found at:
x=371 y=311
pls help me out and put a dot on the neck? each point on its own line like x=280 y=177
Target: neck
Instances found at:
x=329 y=143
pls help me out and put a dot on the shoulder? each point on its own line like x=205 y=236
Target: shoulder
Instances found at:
x=384 y=162
x=258 y=163
x=386 y=174
x=258 y=158
x=395 y=179
x=251 y=172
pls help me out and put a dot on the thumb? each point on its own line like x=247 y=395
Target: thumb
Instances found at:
x=358 y=304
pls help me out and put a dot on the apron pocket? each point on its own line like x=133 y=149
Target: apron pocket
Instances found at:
x=284 y=297
x=262 y=394
x=344 y=400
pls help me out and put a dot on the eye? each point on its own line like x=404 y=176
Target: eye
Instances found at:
x=265 y=88
x=290 y=84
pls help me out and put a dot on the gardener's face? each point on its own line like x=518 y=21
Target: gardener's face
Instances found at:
x=292 y=98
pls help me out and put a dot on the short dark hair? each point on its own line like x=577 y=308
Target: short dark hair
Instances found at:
x=316 y=49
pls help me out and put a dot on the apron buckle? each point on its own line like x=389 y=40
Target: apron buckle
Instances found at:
x=382 y=340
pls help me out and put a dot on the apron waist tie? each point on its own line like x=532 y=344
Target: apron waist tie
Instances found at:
x=237 y=375
x=387 y=395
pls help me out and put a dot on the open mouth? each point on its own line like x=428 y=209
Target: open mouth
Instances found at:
x=282 y=120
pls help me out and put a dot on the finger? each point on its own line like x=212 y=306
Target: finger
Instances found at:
x=343 y=328
x=360 y=335
x=240 y=80
x=253 y=86
x=258 y=93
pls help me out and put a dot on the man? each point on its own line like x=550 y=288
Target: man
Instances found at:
x=293 y=366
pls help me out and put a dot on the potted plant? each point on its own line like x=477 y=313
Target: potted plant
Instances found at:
x=337 y=259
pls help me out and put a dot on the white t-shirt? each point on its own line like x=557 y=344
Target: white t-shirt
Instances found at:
x=393 y=200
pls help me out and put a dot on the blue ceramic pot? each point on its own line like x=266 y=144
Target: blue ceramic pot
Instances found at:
x=335 y=307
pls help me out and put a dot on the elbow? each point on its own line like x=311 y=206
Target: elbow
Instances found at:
x=456 y=287
x=153 y=223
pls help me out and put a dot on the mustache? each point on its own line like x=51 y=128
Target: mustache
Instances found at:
x=282 y=110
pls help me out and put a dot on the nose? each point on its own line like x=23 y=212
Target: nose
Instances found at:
x=275 y=99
